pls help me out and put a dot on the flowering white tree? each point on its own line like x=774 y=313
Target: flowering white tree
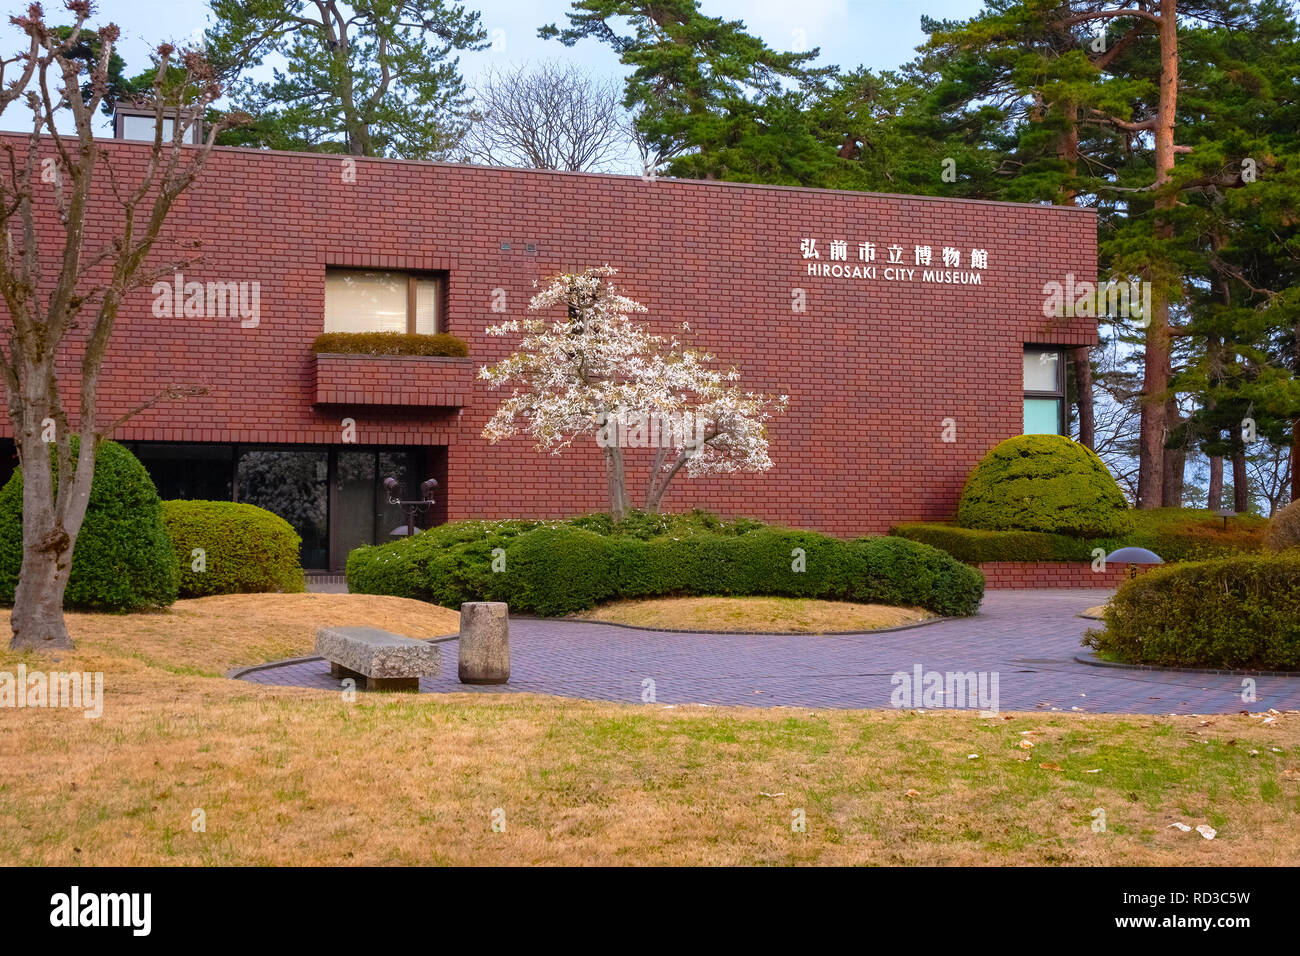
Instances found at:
x=598 y=374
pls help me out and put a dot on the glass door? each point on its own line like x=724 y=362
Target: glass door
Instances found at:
x=355 y=487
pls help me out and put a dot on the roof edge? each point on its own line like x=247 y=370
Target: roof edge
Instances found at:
x=705 y=183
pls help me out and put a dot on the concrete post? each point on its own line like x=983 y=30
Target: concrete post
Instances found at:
x=484 y=656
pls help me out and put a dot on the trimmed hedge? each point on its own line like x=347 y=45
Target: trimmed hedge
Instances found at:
x=1176 y=534
x=1043 y=483
x=123 y=559
x=246 y=549
x=976 y=546
x=1241 y=612
x=389 y=343
x=555 y=568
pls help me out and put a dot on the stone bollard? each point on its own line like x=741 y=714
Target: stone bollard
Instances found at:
x=484 y=643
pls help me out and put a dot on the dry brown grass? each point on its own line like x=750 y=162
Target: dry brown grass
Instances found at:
x=302 y=777
x=214 y=634
x=755 y=614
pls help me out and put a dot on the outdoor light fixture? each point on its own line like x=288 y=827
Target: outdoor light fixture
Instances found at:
x=1133 y=557
x=394 y=489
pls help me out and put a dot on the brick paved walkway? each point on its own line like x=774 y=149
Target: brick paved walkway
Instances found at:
x=1029 y=638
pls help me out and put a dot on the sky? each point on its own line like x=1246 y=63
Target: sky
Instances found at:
x=880 y=34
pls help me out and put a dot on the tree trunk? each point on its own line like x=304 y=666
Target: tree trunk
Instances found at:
x=1295 y=431
x=1155 y=380
x=1151 y=432
x=616 y=481
x=1082 y=359
x=37 y=617
x=1175 y=463
x=1295 y=460
x=1215 y=496
x=1240 y=483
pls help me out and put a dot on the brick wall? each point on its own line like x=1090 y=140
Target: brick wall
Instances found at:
x=1052 y=574
x=873 y=367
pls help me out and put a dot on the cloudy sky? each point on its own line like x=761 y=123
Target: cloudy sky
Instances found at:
x=878 y=33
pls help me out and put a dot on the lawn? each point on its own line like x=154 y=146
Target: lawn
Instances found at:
x=755 y=615
x=303 y=777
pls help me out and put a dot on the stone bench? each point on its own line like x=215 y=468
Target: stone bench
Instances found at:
x=377 y=660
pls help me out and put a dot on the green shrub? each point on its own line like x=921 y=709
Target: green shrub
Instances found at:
x=1195 y=534
x=1239 y=612
x=1284 y=529
x=976 y=546
x=554 y=571
x=1176 y=534
x=123 y=559
x=389 y=343
x=1044 y=483
x=246 y=549
x=560 y=567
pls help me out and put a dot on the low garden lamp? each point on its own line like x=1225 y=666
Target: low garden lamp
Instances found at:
x=1133 y=557
x=394 y=489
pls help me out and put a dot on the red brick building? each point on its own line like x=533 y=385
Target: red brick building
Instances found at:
x=901 y=374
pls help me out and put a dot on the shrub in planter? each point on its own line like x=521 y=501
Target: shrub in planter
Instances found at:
x=1044 y=483
x=246 y=549
x=976 y=546
x=123 y=559
x=1176 y=534
x=1238 y=612
x=389 y=343
x=1284 y=529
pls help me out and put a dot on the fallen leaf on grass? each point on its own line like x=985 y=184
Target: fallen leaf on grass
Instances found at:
x=1179 y=826
x=1026 y=744
x=1051 y=766
x=1206 y=831
x=912 y=793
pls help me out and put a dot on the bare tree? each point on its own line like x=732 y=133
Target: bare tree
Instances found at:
x=554 y=116
x=1269 y=469
x=65 y=316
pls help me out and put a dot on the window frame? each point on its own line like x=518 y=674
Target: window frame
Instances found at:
x=1059 y=394
x=413 y=279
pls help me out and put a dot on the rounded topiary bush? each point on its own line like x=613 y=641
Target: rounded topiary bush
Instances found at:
x=229 y=548
x=1044 y=483
x=123 y=559
x=1284 y=529
x=1238 y=612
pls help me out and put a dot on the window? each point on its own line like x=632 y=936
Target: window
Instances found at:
x=1044 y=370
x=141 y=126
x=364 y=300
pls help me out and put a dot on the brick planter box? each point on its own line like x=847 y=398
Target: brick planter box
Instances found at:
x=420 y=381
x=1052 y=574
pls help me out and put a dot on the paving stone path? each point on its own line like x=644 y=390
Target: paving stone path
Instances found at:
x=1028 y=638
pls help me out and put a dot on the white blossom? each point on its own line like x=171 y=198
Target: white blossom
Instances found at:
x=572 y=373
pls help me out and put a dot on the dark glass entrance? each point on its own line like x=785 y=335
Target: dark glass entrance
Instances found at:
x=333 y=496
